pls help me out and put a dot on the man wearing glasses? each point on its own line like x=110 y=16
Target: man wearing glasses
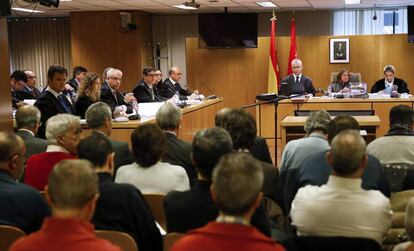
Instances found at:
x=296 y=83
x=110 y=94
x=171 y=86
x=145 y=91
x=30 y=85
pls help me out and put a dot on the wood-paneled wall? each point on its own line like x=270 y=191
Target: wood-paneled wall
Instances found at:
x=97 y=42
x=239 y=75
x=6 y=123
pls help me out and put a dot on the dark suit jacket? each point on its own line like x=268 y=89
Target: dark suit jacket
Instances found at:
x=178 y=152
x=82 y=105
x=72 y=82
x=380 y=85
x=168 y=89
x=36 y=93
x=121 y=207
x=260 y=150
x=305 y=85
x=272 y=186
x=18 y=96
x=194 y=208
x=21 y=206
x=108 y=98
x=50 y=106
x=33 y=145
x=143 y=93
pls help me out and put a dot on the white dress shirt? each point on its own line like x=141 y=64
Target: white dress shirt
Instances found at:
x=341 y=208
x=159 y=178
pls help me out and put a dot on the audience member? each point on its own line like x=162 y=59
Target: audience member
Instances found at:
x=409 y=227
x=89 y=93
x=99 y=120
x=79 y=74
x=259 y=149
x=171 y=86
x=397 y=146
x=112 y=96
x=30 y=86
x=28 y=122
x=242 y=128
x=145 y=92
x=316 y=169
x=385 y=85
x=194 y=208
x=148 y=173
x=315 y=141
x=120 y=207
x=237 y=182
x=63 y=133
x=342 y=207
x=72 y=194
x=158 y=77
x=178 y=152
x=17 y=81
x=297 y=83
x=52 y=101
x=341 y=84
x=21 y=205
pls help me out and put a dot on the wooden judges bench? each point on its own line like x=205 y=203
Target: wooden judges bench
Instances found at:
x=265 y=113
x=195 y=118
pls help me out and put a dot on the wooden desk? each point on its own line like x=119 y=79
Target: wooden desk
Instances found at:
x=195 y=118
x=292 y=127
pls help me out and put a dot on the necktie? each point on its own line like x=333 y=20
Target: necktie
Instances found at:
x=152 y=93
x=33 y=93
x=114 y=93
x=62 y=101
x=297 y=79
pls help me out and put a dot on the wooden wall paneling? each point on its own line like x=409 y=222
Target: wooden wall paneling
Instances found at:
x=144 y=23
x=335 y=106
x=382 y=110
x=6 y=122
x=187 y=127
x=283 y=110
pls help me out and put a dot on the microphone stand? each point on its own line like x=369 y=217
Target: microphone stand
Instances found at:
x=276 y=103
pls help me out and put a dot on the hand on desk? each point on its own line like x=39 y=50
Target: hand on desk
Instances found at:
x=129 y=97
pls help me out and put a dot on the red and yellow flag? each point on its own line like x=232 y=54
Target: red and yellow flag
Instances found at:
x=274 y=75
x=293 y=53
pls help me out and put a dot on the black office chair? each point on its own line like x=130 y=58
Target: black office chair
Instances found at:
x=317 y=243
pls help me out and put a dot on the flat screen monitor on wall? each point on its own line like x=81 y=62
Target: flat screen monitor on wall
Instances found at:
x=410 y=20
x=5 y=8
x=231 y=30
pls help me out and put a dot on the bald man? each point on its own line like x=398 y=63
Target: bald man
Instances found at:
x=171 y=86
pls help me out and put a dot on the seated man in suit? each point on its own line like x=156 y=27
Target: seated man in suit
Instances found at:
x=145 y=90
x=30 y=86
x=21 y=205
x=385 y=84
x=120 y=207
x=79 y=74
x=99 y=119
x=171 y=87
x=112 y=96
x=72 y=194
x=342 y=207
x=194 y=208
x=237 y=182
x=53 y=101
x=242 y=128
x=17 y=81
x=178 y=151
x=28 y=122
x=297 y=83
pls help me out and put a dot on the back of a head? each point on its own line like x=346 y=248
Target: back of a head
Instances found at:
x=27 y=117
x=317 y=120
x=237 y=181
x=208 y=147
x=241 y=126
x=10 y=144
x=409 y=219
x=340 y=123
x=148 y=144
x=96 y=114
x=168 y=116
x=72 y=184
x=402 y=116
x=348 y=149
x=219 y=116
x=58 y=125
x=96 y=148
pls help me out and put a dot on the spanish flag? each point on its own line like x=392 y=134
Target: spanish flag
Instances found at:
x=274 y=75
x=293 y=53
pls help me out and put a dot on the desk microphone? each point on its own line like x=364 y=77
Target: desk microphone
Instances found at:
x=212 y=96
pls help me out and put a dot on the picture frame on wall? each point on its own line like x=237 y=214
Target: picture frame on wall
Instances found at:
x=339 y=50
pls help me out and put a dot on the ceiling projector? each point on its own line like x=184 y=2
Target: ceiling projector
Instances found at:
x=48 y=3
x=192 y=4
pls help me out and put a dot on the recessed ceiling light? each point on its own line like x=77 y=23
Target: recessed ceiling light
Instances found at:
x=352 y=1
x=267 y=4
x=184 y=7
x=27 y=10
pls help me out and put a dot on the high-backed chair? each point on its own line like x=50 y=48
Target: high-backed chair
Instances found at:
x=355 y=77
x=120 y=239
x=170 y=239
x=156 y=204
x=8 y=235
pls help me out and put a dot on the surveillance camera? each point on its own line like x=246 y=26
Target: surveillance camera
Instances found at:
x=374 y=17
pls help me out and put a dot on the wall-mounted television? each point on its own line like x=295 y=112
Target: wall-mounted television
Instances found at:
x=410 y=20
x=5 y=8
x=227 y=30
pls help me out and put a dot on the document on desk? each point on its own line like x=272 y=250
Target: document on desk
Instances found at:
x=149 y=109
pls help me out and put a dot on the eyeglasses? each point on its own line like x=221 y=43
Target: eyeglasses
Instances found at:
x=116 y=79
x=296 y=66
x=32 y=77
x=151 y=75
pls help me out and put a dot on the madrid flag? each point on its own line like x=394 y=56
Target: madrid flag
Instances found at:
x=274 y=75
x=293 y=53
